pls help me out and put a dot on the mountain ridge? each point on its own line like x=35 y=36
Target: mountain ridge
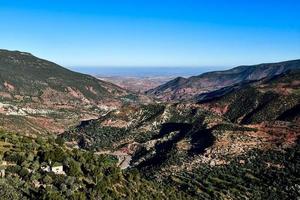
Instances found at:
x=41 y=92
x=187 y=89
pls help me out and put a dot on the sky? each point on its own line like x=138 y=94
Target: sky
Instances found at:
x=194 y=33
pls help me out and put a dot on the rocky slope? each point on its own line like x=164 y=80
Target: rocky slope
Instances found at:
x=251 y=130
x=46 y=95
x=269 y=99
x=181 y=89
x=196 y=150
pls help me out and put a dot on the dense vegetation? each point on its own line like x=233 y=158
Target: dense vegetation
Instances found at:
x=88 y=176
x=92 y=135
x=258 y=175
x=272 y=174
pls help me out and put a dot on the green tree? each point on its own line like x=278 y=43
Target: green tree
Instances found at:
x=23 y=172
x=47 y=179
x=74 y=169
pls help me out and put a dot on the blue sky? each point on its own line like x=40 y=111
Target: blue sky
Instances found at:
x=153 y=33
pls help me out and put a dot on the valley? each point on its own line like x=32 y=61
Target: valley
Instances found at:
x=137 y=84
x=232 y=134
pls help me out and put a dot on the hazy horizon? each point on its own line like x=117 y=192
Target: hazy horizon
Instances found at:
x=156 y=33
x=144 y=71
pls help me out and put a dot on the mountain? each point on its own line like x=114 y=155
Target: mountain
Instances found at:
x=196 y=151
x=276 y=98
x=26 y=76
x=181 y=89
x=42 y=94
x=235 y=142
x=242 y=141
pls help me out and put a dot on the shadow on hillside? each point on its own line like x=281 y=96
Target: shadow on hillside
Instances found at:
x=172 y=133
x=290 y=114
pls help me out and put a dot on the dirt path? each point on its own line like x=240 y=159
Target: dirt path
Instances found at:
x=123 y=158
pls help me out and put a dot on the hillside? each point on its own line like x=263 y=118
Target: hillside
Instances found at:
x=83 y=175
x=181 y=89
x=26 y=76
x=269 y=99
x=40 y=92
x=196 y=151
x=225 y=147
x=233 y=142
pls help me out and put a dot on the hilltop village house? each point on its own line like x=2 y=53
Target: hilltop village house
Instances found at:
x=56 y=168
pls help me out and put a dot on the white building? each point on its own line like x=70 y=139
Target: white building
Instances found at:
x=56 y=168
